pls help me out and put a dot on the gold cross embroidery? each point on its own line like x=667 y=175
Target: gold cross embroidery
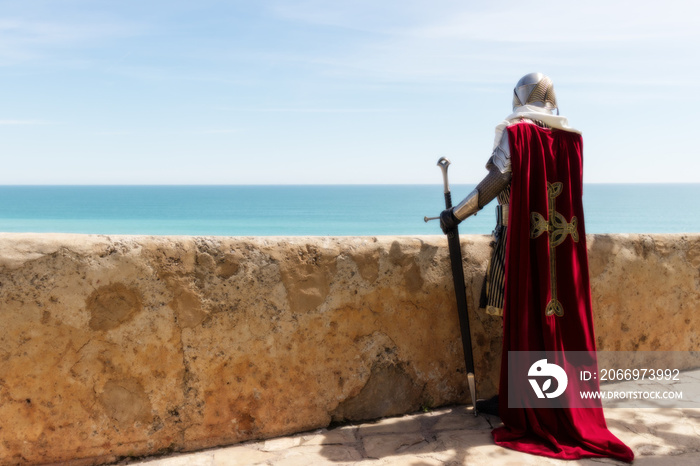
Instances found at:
x=558 y=229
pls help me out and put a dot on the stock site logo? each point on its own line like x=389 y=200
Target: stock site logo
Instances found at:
x=541 y=369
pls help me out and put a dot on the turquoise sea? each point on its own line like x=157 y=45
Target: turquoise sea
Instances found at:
x=339 y=210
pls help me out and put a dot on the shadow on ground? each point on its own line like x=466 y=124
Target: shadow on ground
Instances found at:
x=447 y=436
x=451 y=436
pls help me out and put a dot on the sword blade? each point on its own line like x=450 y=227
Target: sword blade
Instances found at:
x=455 y=250
x=461 y=294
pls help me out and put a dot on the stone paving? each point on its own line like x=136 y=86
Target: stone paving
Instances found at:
x=659 y=435
x=450 y=436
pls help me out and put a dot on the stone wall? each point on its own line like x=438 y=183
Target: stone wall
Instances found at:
x=128 y=346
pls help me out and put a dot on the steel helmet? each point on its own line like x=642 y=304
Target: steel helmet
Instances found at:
x=535 y=89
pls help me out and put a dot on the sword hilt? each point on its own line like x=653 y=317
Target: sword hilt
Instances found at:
x=448 y=200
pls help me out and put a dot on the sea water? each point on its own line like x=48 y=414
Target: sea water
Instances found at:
x=339 y=210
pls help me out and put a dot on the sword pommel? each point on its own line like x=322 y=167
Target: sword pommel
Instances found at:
x=443 y=163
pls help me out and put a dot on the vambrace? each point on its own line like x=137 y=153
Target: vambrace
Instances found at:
x=485 y=192
x=491 y=185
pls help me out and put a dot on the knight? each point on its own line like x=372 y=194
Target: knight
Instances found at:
x=537 y=278
x=534 y=102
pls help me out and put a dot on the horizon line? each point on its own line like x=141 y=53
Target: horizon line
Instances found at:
x=311 y=184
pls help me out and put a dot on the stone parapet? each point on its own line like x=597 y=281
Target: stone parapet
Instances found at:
x=115 y=346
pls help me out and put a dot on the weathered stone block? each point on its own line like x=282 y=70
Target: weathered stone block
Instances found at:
x=119 y=346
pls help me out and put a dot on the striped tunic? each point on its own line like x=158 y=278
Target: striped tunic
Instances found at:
x=494 y=284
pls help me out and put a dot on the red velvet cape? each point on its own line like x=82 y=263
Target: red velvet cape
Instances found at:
x=540 y=156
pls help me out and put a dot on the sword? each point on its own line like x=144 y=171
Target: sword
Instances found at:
x=460 y=290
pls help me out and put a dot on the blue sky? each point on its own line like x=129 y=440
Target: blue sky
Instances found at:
x=325 y=92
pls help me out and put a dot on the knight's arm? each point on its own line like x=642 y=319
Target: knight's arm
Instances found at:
x=493 y=183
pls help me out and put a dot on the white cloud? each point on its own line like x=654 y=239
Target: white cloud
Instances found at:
x=219 y=131
x=323 y=110
x=23 y=122
x=587 y=23
x=113 y=133
x=509 y=21
x=464 y=42
x=26 y=40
